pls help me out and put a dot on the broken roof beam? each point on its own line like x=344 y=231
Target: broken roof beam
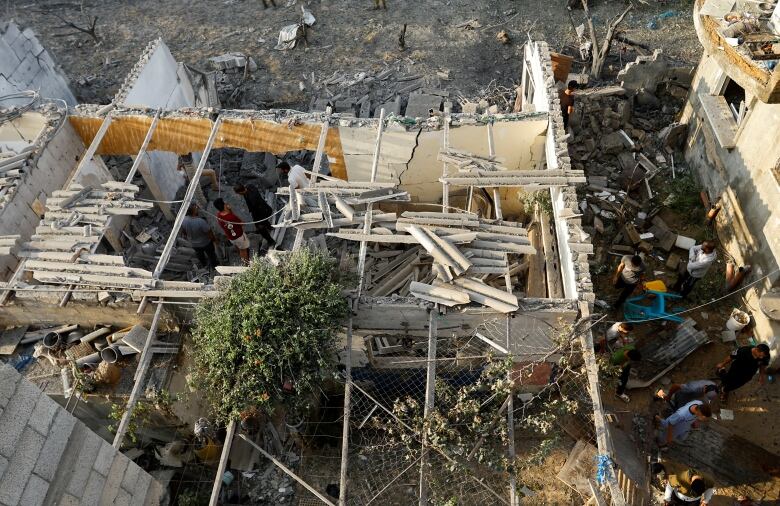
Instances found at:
x=315 y=169
x=194 y=182
x=536 y=179
x=487 y=295
x=440 y=294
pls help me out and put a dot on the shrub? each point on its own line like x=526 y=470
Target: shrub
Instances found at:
x=268 y=337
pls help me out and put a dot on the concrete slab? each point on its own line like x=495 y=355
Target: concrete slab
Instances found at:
x=419 y=105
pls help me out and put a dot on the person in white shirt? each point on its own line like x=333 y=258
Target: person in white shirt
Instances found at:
x=296 y=175
x=700 y=258
x=619 y=332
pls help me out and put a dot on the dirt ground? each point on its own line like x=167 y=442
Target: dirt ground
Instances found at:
x=348 y=36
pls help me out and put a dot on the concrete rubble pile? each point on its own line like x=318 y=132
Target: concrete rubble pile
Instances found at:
x=634 y=141
x=447 y=258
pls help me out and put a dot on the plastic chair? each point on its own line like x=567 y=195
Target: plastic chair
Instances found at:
x=634 y=311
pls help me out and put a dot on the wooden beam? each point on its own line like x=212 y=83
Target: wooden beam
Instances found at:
x=347 y=414
x=144 y=146
x=430 y=395
x=315 y=169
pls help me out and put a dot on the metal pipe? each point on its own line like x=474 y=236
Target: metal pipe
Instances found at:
x=95 y=334
x=110 y=354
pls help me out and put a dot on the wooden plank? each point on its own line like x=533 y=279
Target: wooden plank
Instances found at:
x=108 y=270
x=68 y=257
x=508 y=247
x=91 y=279
x=10 y=338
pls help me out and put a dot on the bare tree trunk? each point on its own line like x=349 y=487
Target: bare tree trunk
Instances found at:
x=600 y=53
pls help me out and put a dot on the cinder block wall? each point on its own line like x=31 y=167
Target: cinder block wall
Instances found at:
x=26 y=65
x=58 y=158
x=48 y=457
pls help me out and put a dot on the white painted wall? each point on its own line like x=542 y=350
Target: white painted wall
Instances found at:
x=743 y=177
x=26 y=65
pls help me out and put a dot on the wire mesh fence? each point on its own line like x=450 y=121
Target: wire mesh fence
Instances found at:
x=434 y=423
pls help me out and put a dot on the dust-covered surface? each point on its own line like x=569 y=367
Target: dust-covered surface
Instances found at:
x=458 y=36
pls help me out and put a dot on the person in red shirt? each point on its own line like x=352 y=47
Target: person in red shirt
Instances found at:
x=231 y=226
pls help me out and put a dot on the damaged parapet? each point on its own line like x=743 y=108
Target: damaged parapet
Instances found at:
x=38 y=151
x=573 y=242
x=26 y=65
x=50 y=457
x=157 y=80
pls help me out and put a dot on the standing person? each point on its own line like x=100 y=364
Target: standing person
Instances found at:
x=680 y=395
x=700 y=258
x=677 y=426
x=744 y=362
x=628 y=275
x=261 y=212
x=618 y=332
x=685 y=486
x=296 y=175
x=566 y=97
x=231 y=226
x=197 y=230
x=624 y=358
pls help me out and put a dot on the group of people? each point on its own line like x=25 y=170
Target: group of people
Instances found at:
x=197 y=230
x=686 y=405
x=630 y=272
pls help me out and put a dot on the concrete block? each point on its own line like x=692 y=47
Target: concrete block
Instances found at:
x=3 y=466
x=130 y=478
x=8 y=380
x=20 y=466
x=35 y=491
x=15 y=416
x=69 y=500
x=55 y=444
x=8 y=59
x=94 y=489
x=43 y=414
x=123 y=498
x=104 y=459
x=114 y=479
x=87 y=455
x=420 y=105
x=141 y=489
x=11 y=33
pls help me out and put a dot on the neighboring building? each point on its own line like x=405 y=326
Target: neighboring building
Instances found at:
x=49 y=457
x=733 y=115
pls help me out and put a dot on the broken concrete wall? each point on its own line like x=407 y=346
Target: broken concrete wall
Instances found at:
x=574 y=245
x=50 y=457
x=51 y=165
x=158 y=81
x=410 y=157
x=26 y=65
x=746 y=181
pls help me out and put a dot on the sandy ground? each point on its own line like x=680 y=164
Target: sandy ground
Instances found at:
x=348 y=36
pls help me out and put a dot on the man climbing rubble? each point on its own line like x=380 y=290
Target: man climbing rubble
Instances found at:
x=566 y=97
x=296 y=176
x=680 y=395
x=618 y=332
x=233 y=228
x=677 y=426
x=196 y=229
x=700 y=258
x=630 y=272
x=624 y=358
x=261 y=212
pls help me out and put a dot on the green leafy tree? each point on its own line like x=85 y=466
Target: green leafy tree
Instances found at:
x=269 y=336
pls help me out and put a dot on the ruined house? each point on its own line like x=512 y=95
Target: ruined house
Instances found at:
x=732 y=114
x=427 y=210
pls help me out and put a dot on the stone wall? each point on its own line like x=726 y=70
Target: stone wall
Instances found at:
x=48 y=457
x=26 y=65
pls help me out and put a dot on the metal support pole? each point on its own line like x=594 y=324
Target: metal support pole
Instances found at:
x=194 y=182
x=445 y=143
x=510 y=425
x=430 y=391
x=231 y=430
x=144 y=146
x=140 y=375
x=347 y=414
x=370 y=206
x=287 y=471
x=492 y=155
